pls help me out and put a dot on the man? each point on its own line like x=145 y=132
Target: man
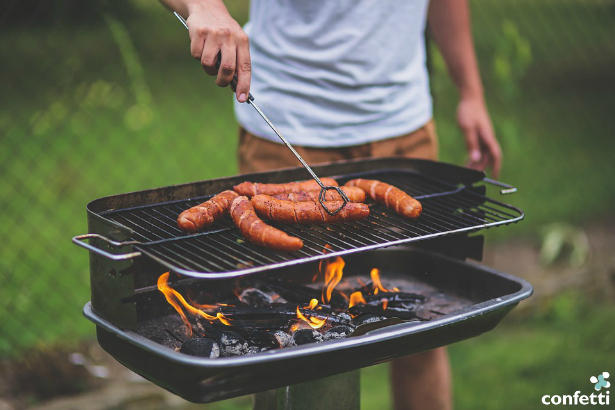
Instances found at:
x=346 y=79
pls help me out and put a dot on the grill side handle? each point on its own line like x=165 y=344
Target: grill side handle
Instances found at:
x=79 y=240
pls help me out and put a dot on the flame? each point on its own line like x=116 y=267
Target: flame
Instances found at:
x=355 y=299
x=385 y=303
x=375 y=274
x=333 y=275
x=314 y=322
x=173 y=297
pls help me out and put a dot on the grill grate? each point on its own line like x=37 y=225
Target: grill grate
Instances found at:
x=222 y=252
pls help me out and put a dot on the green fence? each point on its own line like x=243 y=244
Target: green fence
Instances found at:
x=100 y=98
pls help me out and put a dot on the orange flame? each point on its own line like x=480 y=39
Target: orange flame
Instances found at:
x=355 y=299
x=385 y=303
x=333 y=276
x=314 y=322
x=375 y=274
x=173 y=297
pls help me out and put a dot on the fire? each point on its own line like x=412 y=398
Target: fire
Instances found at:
x=333 y=275
x=314 y=322
x=173 y=297
x=375 y=274
x=385 y=303
x=356 y=298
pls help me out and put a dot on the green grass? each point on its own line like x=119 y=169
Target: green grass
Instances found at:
x=77 y=123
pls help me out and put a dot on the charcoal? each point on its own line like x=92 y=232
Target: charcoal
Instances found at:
x=231 y=343
x=337 y=332
x=282 y=338
x=201 y=346
x=263 y=339
x=255 y=350
x=296 y=293
x=305 y=336
x=389 y=312
x=255 y=298
x=367 y=318
x=394 y=298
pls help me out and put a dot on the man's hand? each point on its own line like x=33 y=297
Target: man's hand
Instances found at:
x=214 y=36
x=483 y=148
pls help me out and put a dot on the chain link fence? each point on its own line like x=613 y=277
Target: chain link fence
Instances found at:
x=102 y=97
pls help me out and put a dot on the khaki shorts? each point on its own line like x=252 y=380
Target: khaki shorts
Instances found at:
x=257 y=154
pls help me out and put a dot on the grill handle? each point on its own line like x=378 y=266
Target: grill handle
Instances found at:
x=78 y=240
x=509 y=189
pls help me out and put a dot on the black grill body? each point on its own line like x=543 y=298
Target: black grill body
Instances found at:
x=492 y=295
x=135 y=240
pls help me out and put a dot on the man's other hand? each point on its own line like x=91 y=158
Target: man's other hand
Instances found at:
x=483 y=147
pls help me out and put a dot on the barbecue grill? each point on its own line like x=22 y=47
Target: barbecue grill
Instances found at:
x=134 y=239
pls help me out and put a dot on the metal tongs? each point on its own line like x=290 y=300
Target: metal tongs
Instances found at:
x=323 y=188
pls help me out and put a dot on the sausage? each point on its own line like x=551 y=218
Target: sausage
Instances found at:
x=307 y=212
x=254 y=188
x=394 y=198
x=258 y=232
x=200 y=216
x=354 y=194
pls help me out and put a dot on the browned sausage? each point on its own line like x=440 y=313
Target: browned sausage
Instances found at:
x=258 y=232
x=200 y=216
x=393 y=198
x=354 y=195
x=254 y=188
x=308 y=212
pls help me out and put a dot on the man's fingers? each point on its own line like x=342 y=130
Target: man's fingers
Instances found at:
x=244 y=69
x=227 y=66
x=209 y=57
x=492 y=150
x=472 y=145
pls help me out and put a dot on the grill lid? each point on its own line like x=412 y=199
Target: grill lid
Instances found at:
x=452 y=203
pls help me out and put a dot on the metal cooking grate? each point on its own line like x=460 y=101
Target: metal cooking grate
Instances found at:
x=222 y=252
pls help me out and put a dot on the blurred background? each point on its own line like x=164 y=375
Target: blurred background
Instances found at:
x=103 y=97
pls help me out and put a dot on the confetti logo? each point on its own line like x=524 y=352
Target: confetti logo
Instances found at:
x=600 y=382
x=593 y=399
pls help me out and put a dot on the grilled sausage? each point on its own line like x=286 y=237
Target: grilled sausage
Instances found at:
x=200 y=216
x=308 y=212
x=393 y=198
x=258 y=232
x=254 y=188
x=354 y=194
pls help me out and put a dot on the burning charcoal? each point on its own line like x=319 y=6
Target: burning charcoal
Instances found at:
x=395 y=298
x=232 y=343
x=283 y=338
x=297 y=293
x=201 y=346
x=344 y=317
x=337 y=332
x=368 y=318
x=255 y=350
x=255 y=298
x=389 y=312
x=264 y=339
x=305 y=336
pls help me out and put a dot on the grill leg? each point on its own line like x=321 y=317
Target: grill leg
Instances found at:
x=340 y=392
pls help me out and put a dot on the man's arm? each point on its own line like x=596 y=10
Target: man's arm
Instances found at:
x=449 y=21
x=212 y=31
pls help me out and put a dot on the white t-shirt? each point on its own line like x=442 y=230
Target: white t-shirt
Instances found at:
x=333 y=73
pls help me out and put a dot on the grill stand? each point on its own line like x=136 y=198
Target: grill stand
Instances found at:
x=341 y=392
